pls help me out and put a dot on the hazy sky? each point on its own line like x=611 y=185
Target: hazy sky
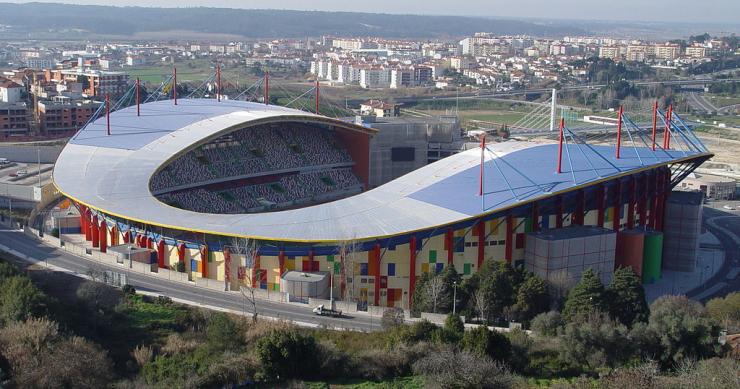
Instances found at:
x=643 y=10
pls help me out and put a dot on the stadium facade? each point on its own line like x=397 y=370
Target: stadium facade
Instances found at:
x=463 y=210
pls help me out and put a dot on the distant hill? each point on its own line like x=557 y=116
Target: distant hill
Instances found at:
x=261 y=23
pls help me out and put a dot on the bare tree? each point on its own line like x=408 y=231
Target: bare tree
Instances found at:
x=482 y=304
x=249 y=249
x=348 y=250
x=436 y=288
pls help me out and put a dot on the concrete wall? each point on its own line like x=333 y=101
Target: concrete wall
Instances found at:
x=21 y=153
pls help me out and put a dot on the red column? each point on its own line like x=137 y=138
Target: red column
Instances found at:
x=95 y=232
x=127 y=237
x=376 y=271
x=578 y=213
x=617 y=205
x=103 y=236
x=481 y=242
x=631 y=204
x=449 y=242
x=281 y=262
x=88 y=225
x=654 y=198
x=255 y=270
x=642 y=197
x=204 y=258
x=161 y=250
x=412 y=269
x=619 y=132
x=83 y=221
x=227 y=264
x=601 y=201
x=114 y=236
x=181 y=252
x=559 y=215
x=509 y=248
x=310 y=260
x=150 y=243
x=535 y=217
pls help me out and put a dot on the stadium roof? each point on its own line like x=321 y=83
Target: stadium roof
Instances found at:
x=112 y=173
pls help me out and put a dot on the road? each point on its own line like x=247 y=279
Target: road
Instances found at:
x=729 y=224
x=31 y=247
x=701 y=103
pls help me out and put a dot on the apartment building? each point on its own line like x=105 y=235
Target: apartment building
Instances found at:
x=62 y=115
x=375 y=77
x=14 y=119
x=667 y=51
x=96 y=83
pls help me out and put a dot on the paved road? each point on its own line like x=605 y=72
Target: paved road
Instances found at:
x=31 y=247
x=701 y=103
x=729 y=225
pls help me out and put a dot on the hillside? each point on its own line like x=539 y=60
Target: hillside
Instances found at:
x=258 y=23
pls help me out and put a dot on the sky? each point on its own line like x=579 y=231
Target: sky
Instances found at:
x=723 y=11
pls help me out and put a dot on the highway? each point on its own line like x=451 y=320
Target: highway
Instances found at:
x=726 y=227
x=300 y=314
x=701 y=103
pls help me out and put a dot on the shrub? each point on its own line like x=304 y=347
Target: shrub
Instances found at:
x=392 y=317
x=55 y=232
x=180 y=267
x=450 y=369
x=594 y=341
x=484 y=342
x=454 y=328
x=680 y=328
x=547 y=324
x=377 y=364
x=142 y=354
x=20 y=299
x=222 y=332
x=422 y=330
x=128 y=290
x=287 y=354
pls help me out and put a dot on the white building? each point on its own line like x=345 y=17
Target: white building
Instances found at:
x=10 y=92
x=375 y=77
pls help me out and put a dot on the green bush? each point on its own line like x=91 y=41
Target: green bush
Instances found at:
x=180 y=267
x=484 y=342
x=222 y=333
x=547 y=324
x=20 y=299
x=454 y=328
x=55 y=232
x=286 y=354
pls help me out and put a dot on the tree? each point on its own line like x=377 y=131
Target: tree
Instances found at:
x=392 y=318
x=587 y=296
x=481 y=303
x=726 y=311
x=222 y=332
x=679 y=328
x=532 y=298
x=250 y=250
x=484 y=342
x=97 y=295
x=42 y=357
x=547 y=324
x=626 y=297
x=20 y=299
x=286 y=354
x=454 y=328
x=593 y=341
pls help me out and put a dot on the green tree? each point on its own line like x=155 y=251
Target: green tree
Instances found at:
x=222 y=332
x=626 y=297
x=594 y=341
x=286 y=354
x=454 y=328
x=485 y=342
x=20 y=299
x=679 y=328
x=726 y=311
x=6 y=271
x=532 y=298
x=547 y=323
x=587 y=296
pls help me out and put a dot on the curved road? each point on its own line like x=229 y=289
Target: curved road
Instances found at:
x=726 y=227
x=34 y=248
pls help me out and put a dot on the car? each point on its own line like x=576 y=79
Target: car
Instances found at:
x=21 y=173
x=728 y=207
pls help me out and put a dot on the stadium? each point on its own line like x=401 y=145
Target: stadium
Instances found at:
x=198 y=181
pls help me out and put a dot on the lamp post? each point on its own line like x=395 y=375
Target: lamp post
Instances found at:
x=454 y=296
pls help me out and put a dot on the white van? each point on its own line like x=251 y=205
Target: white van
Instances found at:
x=4 y=161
